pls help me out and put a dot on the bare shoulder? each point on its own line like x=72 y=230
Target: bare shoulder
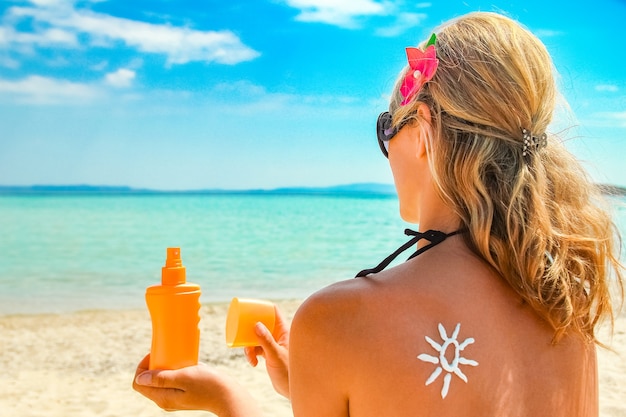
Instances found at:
x=320 y=345
x=334 y=296
x=435 y=334
x=329 y=310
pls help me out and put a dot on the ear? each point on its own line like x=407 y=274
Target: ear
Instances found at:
x=424 y=129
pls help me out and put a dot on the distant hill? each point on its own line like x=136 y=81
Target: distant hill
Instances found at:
x=350 y=189
x=65 y=189
x=361 y=189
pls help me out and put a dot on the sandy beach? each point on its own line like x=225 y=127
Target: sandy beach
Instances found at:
x=82 y=364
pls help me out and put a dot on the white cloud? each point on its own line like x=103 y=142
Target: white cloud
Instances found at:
x=4 y=35
x=179 y=44
x=615 y=119
x=620 y=117
x=56 y=36
x=247 y=99
x=42 y=90
x=336 y=12
x=121 y=78
x=607 y=87
x=350 y=13
x=547 y=33
x=51 y=2
x=45 y=37
x=99 y=66
x=404 y=21
x=242 y=87
x=7 y=62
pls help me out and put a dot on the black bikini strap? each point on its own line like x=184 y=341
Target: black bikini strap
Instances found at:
x=435 y=237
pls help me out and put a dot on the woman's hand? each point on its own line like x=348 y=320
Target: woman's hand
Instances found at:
x=194 y=388
x=275 y=349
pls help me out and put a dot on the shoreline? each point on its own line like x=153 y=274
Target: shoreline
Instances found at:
x=82 y=363
x=208 y=305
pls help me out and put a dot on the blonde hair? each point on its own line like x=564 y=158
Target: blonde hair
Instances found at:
x=536 y=219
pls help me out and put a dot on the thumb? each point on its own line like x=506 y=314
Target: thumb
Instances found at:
x=266 y=339
x=157 y=379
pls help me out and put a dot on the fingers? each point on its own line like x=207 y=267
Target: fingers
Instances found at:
x=271 y=344
x=281 y=323
x=266 y=339
x=162 y=387
x=141 y=368
x=267 y=345
x=169 y=399
x=143 y=365
x=251 y=353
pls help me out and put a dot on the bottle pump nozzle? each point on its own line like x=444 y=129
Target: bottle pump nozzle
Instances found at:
x=173 y=273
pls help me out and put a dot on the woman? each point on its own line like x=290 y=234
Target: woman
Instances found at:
x=496 y=315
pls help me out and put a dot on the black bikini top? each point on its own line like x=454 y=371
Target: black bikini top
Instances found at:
x=435 y=237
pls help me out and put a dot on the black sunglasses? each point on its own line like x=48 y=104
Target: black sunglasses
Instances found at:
x=385 y=131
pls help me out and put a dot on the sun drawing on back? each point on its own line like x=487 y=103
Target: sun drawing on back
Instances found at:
x=442 y=361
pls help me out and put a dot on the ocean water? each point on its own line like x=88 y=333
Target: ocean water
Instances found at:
x=74 y=252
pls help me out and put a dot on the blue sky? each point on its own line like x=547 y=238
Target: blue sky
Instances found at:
x=169 y=94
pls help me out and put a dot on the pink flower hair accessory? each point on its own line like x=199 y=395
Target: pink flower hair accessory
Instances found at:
x=423 y=65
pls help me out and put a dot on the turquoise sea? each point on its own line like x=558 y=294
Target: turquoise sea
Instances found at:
x=63 y=253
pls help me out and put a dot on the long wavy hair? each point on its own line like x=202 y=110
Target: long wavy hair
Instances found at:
x=536 y=218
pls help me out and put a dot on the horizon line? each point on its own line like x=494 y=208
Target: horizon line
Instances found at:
x=351 y=188
x=354 y=188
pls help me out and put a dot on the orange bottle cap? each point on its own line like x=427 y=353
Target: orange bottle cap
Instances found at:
x=173 y=273
x=243 y=314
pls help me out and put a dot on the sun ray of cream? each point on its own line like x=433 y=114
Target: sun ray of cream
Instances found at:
x=467 y=341
x=469 y=362
x=428 y=358
x=442 y=332
x=434 y=344
x=434 y=375
x=455 y=334
x=460 y=374
x=446 y=385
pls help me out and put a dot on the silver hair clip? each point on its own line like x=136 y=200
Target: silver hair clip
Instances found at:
x=533 y=143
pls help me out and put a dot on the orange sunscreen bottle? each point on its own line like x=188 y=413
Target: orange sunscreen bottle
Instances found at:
x=174 y=308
